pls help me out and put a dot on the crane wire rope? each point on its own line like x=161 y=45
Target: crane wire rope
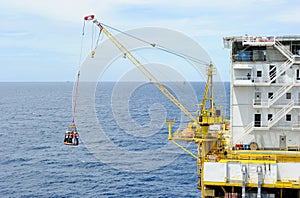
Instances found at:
x=92 y=44
x=81 y=44
x=75 y=97
x=186 y=57
x=75 y=89
x=141 y=67
x=97 y=42
x=182 y=55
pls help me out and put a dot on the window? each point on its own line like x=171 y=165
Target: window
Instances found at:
x=258 y=73
x=270 y=117
x=288 y=117
x=257 y=120
x=298 y=74
x=270 y=95
x=288 y=95
x=272 y=73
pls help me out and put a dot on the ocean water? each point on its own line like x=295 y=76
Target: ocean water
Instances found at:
x=34 y=162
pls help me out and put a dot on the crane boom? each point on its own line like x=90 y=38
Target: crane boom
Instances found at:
x=143 y=69
x=208 y=92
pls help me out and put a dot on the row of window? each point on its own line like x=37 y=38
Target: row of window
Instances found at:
x=287 y=95
x=259 y=73
x=270 y=95
x=257 y=119
x=288 y=117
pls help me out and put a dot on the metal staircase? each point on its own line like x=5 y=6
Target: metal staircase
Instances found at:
x=280 y=114
x=287 y=108
x=275 y=72
x=280 y=92
x=287 y=53
x=247 y=130
x=279 y=69
x=258 y=103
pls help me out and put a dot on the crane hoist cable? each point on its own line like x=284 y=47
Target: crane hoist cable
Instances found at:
x=81 y=43
x=92 y=43
x=93 y=47
x=75 y=91
x=75 y=97
x=97 y=42
x=71 y=135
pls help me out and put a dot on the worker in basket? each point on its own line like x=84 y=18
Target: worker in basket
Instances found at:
x=74 y=138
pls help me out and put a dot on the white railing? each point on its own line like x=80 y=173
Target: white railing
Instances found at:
x=245 y=77
x=257 y=103
x=263 y=79
x=287 y=126
x=258 y=40
x=261 y=103
x=296 y=125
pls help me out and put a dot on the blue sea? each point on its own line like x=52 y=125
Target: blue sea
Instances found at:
x=128 y=159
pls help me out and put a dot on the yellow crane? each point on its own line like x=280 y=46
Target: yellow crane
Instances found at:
x=209 y=144
x=142 y=68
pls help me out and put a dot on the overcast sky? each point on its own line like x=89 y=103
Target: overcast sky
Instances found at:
x=40 y=40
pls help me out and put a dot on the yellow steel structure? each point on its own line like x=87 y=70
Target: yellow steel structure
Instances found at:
x=206 y=116
x=212 y=145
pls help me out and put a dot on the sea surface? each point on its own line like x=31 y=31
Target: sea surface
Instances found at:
x=34 y=162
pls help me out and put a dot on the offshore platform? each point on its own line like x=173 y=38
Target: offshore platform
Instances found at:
x=256 y=153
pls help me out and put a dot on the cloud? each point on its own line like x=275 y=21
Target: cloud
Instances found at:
x=53 y=27
x=291 y=16
x=59 y=10
x=15 y=34
x=73 y=11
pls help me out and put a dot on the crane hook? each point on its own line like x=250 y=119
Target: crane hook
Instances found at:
x=92 y=53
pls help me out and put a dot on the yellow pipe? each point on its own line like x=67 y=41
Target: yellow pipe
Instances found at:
x=277 y=185
x=170 y=122
x=223 y=189
x=189 y=152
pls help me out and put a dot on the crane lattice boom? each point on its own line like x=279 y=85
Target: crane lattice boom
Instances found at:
x=143 y=69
